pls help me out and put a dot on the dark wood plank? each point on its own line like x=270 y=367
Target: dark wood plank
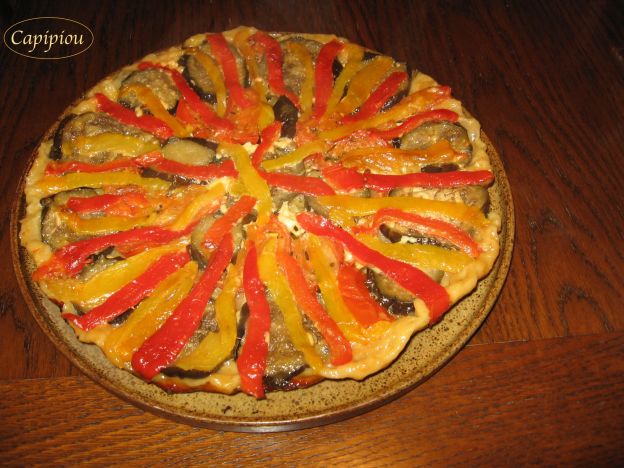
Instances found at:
x=479 y=409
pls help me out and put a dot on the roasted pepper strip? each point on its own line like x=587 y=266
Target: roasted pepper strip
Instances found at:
x=339 y=346
x=211 y=171
x=367 y=206
x=51 y=185
x=276 y=283
x=216 y=77
x=362 y=84
x=252 y=359
x=225 y=223
x=354 y=54
x=218 y=346
x=378 y=98
x=327 y=282
x=357 y=297
x=400 y=161
x=349 y=179
x=274 y=62
x=147 y=97
x=123 y=341
x=416 y=121
x=147 y=123
x=164 y=346
x=204 y=203
x=307 y=87
x=383 y=182
x=98 y=226
x=219 y=47
x=131 y=294
x=203 y=110
x=253 y=182
x=127 y=204
x=411 y=104
x=296 y=156
x=427 y=257
x=70 y=259
x=296 y=183
x=415 y=281
x=430 y=226
x=268 y=137
x=324 y=77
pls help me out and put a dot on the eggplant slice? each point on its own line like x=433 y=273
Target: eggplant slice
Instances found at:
x=198 y=79
x=191 y=151
x=90 y=124
x=430 y=133
x=158 y=81
x=390 y=295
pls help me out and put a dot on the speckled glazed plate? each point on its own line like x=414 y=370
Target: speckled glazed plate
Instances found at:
x=324 y=403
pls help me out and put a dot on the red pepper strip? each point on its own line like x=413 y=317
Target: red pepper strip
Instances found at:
x=344 y=178
x=163 y=347
x=148 y=123
x=339 y=346
x=295 y=183
x=411 y=278
x=185 y=115
x=268 y=136
x=347 y=179
x=127 y=204
x=208 y=116
x=382 y=182
x=252 y=359
x=324 y=77
x=378 y=98
x=131 y=294
x=356 y=296
x=274 y=62
x=210 y=171
x=59 y=168
x=224 y=56
x=225 y=223
x=434 y=227
x=416 y=121
x=70 y=259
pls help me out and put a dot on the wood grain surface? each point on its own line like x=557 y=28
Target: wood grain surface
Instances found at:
x=543 y=379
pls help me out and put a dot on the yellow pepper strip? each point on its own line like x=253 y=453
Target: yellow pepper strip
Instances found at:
x=277 y=284
x=51 y=185
x=200 y=206
x=257 y=82
x=153 y=104
x=296 y=156
x=307 y=87
x=410 y=105
x=363 y=83
x=332 y=298
x=354 y=63
x=109 y=142
x=255 y=185
x=400 y=161
x=428 y=257
x=120 y=343
x=105 y=225
x=216 y=77
x=367 y=206
x=94 y=291
x=216 y=347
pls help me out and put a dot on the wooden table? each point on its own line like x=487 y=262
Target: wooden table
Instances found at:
x=543 y=379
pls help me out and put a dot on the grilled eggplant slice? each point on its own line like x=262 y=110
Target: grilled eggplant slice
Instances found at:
x=158 y=81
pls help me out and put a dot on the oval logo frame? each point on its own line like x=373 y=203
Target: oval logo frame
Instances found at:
x=50 y=19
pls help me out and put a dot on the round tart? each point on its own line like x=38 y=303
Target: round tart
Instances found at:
x=258 y=211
